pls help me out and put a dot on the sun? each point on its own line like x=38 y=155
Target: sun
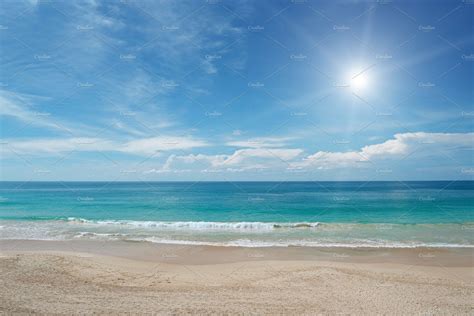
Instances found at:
x=359 y=80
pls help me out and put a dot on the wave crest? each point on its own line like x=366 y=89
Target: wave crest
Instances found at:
x=199 y=225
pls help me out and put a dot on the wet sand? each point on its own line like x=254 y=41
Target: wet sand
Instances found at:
x=86 y=277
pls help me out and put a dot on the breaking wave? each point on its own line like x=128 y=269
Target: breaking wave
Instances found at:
x=199 y=225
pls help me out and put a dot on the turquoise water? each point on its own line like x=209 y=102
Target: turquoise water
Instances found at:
x=355 y=214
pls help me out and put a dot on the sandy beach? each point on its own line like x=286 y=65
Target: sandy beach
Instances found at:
x=69 y=277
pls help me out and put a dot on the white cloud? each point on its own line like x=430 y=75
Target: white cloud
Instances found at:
x=401 y=145
x=147 y=146
x=186 y=29
x=248 y=159
x=19 y=106
x=144 y=146
x=241 y=160
x=261 y=142
x=242 y=155
x=326 y=160
x=55 y=145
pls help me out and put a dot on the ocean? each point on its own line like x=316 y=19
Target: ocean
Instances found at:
x=251 y=214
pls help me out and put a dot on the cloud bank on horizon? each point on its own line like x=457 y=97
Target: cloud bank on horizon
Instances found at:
x=236 y=90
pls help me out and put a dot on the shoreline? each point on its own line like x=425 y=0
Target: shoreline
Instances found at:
x=246 y=234
x=209 y=254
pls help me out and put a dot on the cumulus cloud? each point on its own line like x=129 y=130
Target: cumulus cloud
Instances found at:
x=326 y=160
x=401 y=145
x=242 y=155
x=247 y=159
x=240 y=160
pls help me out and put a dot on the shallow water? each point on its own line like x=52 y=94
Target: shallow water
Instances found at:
x=354 y=214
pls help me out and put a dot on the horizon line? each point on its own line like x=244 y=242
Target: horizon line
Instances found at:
x=222 y=181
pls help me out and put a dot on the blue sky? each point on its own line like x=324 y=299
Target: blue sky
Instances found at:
x=236 y=90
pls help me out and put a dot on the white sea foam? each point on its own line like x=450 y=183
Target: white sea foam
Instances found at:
x=252 y=243
x=247 y=234
x=199 y=225
x=303 y=243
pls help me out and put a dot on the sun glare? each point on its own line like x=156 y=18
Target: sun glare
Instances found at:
x=359 y=80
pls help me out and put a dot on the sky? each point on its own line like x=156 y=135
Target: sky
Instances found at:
x=236 y=90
